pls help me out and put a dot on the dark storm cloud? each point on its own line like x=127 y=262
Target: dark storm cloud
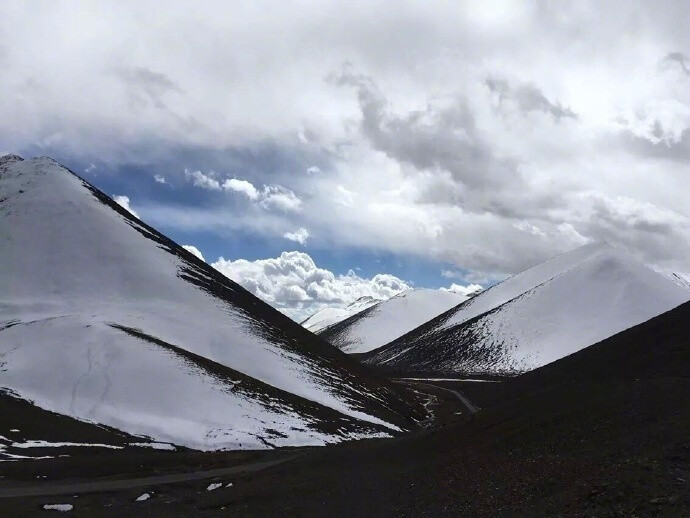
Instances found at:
x=528 y=98
x=443 y=138
x=653 y=234
x=446 y=139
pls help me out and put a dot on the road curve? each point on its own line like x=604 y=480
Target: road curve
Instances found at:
x=97 y=486
x=468 y=404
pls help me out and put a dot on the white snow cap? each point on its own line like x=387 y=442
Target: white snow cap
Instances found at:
x=393 y=318
x=329 y=316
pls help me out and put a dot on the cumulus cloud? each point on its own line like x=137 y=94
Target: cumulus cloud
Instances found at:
x=281 y=198
x=242 y=186
x=270 y=197
x=295 y=285
x=205 y=181
x=300 y=236
x=123 y=201
x=194 y=251
x=159 y=178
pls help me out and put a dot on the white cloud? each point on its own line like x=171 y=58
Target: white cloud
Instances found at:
x=202 y=180
x=278 y=197
x=270 y=197
x=344 y=196
x=92 y=167
x=313 y=170
x=123 y=201
x=300 y=236
x=194 y=251
x=467 y=291
x=159 y=178
x=296 y=286
x=242 y=186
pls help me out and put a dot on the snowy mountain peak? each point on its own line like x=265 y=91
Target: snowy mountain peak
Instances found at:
x=6 y=160
x=106 y=320
x=390 y=319
x=326 y=317
x=529 y=279
x=364 y=301
x=538 y=316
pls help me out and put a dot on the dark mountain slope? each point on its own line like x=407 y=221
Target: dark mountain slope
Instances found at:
x=604 y=432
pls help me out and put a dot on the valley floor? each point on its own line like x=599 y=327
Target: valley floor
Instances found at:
x=616 y=447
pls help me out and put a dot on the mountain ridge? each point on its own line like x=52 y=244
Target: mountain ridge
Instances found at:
x=377 y=325
x=326 y=317
x=74 y=268
x=535 y=317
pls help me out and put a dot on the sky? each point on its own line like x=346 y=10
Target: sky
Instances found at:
x=320 y=151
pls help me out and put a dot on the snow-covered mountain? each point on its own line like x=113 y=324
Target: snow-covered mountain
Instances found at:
x=328 y=316
x=105 y=320
x=681 y=279
x=537 y=316
x=390 y=319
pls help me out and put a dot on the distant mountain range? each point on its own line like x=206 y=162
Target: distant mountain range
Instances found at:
x=328 y=316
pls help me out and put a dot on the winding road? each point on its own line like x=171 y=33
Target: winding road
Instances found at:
x=468 y=404
x=97 y=486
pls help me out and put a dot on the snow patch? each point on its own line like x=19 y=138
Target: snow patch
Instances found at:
x=46 y=444
x=154 y=445
x=58 y=507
